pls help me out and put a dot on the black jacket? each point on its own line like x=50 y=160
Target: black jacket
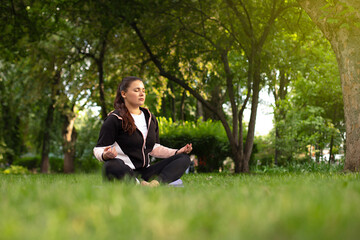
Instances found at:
x=133 y=149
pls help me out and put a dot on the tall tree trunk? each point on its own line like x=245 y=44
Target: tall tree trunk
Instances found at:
x=45 y=164
x=331 y=155
x=251 y=128
x=277 y=144
x=279 y=114
x=182 y=106
x=199 y=110
x=100 y=64
x=172 y=102
x=69 y=139
x=345 y=41
x=215 y=100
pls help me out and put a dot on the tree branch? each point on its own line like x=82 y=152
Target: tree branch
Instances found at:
x=247 y=28
x=166 y=74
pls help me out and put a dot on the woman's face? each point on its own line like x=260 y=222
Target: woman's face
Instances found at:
x=135 y=94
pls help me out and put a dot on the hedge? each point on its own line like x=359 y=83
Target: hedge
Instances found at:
x=209 y=140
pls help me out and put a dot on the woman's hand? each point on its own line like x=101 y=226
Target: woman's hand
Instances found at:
x=185 y=149
x=109 y=153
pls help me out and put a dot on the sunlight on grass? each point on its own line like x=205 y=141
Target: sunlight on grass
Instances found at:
x=210 y=206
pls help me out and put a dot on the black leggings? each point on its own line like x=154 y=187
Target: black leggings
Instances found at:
x=166 y=171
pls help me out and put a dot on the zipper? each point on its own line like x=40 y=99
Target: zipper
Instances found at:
x=143 y=148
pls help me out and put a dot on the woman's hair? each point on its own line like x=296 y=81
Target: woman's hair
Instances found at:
x=128 y=123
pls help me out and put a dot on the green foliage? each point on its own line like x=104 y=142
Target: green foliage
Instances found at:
x=341 y=14
x=56 y=164
x=4 y=151
x=88 y=165
x=311 y=114
x=264 y=151
x=11 y=98
x=189 y=39
x=209 y=140
x=14 y=169
x=30 y=162
x=88 y=127
x=33 y=162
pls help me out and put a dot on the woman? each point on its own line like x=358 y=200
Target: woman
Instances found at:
x=130 y=134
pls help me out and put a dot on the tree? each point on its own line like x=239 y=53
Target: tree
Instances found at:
x=284 y=63
x=340 y=23
x=303 y=76
x=240 y=31
x=11 y=109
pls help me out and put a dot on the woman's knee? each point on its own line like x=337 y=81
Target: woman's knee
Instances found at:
x=116 y=169
x=185 y=160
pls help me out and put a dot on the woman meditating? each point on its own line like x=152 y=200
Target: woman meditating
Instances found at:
x=130 y=134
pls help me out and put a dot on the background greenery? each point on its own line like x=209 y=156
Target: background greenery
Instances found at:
x=61 y=61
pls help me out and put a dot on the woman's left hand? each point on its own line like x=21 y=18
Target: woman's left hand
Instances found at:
x=185 y=149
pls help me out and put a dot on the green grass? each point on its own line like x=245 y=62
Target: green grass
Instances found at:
x=210 y=206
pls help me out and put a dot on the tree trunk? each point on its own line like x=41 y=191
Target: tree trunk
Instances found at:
x=199 y=110
x=279 y=114
x=69 y=139
x=172 y=102
x=215 y=100
x=182 y=106
x=45 y=164
x=251 y=128
x=349 y=66
x=344 y=37
x=331 y=155
x=100 y=64
x=277 y=143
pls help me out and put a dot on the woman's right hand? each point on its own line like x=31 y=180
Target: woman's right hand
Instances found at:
x=109 y=153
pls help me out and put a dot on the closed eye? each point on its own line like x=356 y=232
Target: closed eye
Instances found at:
x=138 y=90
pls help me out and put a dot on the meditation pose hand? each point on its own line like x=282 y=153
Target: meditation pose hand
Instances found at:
x=109 y=153
x=185 y=149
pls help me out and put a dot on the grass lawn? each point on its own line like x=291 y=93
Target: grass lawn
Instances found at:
x=210 y=206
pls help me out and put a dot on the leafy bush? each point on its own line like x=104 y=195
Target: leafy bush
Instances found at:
x=34 y=162
x=56 y=164
x=209 y=140
x=4 y=151
x=30 y=162
x=87 y=165
x=88 y=128
x=14 y=169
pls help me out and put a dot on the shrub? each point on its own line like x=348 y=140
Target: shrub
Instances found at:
x=56 y=164
x=209 y=140
x=14 y=169
x=87 y=165
x=30 y=162
x=88 y=128
x=34 y=162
